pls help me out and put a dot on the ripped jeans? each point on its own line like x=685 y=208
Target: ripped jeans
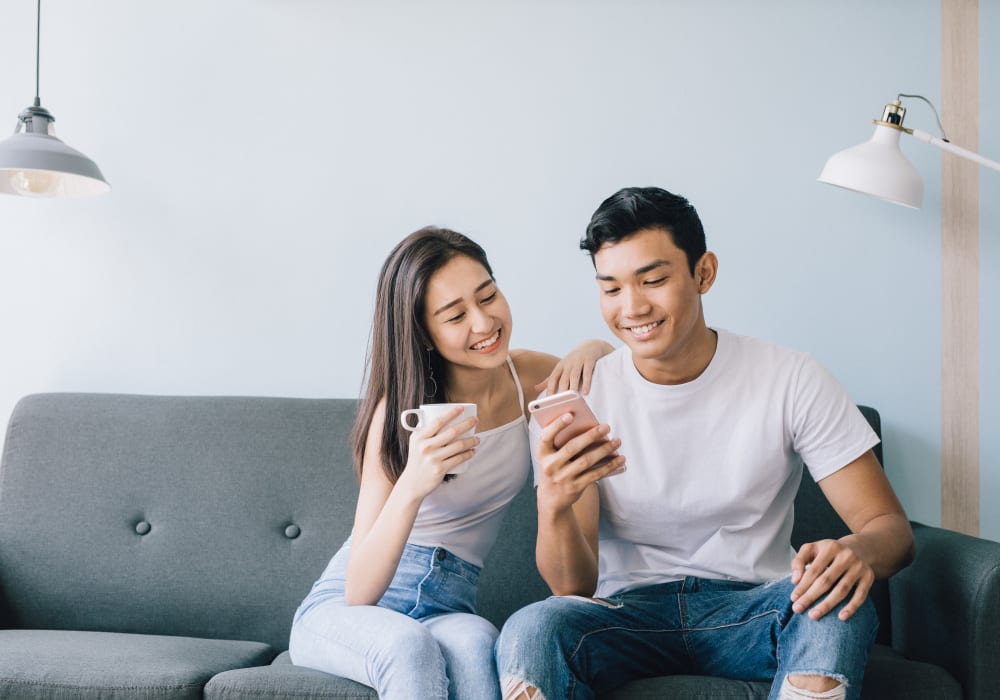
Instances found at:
x=573 y=648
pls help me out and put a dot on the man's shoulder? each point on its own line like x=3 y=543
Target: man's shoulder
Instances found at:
x=612 y=365
x=757 y=350
x=611 y=380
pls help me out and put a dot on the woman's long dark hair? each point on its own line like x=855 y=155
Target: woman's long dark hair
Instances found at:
x=401 y=357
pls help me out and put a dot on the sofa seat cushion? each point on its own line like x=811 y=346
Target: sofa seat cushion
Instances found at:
x=283 y=680
x=890 y=675
x=54 y=664
x=887 y=676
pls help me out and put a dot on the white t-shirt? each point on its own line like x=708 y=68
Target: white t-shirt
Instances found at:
x=714 y=464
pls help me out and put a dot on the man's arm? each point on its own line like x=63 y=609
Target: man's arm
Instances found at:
x=568 y=506
x=880 y=543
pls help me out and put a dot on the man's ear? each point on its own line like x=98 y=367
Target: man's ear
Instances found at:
x=706 y=271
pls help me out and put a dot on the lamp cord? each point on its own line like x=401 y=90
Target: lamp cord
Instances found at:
x=918 y=97
x=38 y=49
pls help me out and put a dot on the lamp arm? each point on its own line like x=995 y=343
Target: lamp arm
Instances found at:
x=952 y=148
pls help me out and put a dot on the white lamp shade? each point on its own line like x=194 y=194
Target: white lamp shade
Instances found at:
x=34 y=164
x=877 y=167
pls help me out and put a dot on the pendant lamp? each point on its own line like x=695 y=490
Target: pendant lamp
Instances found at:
x=34 y=163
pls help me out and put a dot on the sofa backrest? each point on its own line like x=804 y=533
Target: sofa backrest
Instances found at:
x=207 y=516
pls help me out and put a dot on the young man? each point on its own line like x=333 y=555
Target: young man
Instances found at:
x=682 y=563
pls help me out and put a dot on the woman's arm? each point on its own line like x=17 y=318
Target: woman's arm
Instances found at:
x=386 y=511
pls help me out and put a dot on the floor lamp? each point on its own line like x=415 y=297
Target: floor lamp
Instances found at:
x=879 y=168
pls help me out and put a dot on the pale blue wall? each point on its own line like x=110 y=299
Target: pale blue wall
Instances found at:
x=266 y=155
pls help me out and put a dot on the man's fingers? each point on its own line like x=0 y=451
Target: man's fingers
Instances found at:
x=549 y=432
x=814 y=560
x=829 y=596
x=591 y=437
x=608 y=467
x=857 y=600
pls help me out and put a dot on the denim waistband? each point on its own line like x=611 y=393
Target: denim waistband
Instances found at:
x=426 y=578
x=688 y=584
x=430 y=557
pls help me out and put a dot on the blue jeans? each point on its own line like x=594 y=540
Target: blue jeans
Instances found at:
x=422 y=639
x=572 y=648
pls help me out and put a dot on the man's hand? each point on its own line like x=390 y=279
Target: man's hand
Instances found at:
x=568 y=505
x=567 y=472
x=829 y=572
x=826 y=573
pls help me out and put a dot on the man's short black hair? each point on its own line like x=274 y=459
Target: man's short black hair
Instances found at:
x=633 y=209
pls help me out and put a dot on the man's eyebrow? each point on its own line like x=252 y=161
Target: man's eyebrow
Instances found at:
x=453 y=302
x=641 y=271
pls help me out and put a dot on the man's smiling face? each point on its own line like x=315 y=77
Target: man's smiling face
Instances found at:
x=652 y=301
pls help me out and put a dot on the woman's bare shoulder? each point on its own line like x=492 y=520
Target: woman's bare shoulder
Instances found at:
x=533 y=368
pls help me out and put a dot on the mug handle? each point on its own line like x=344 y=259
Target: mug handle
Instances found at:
x=404 y=418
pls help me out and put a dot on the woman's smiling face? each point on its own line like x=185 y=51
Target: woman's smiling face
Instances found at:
x=466 y=315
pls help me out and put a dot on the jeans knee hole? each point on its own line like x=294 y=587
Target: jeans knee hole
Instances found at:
x=516 y=689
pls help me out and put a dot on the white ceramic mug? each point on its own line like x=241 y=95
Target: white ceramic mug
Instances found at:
x=429 y=412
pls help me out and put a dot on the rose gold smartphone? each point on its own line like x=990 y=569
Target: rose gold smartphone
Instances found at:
x=550 y=408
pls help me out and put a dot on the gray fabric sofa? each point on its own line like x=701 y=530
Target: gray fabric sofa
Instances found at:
x=157 y=547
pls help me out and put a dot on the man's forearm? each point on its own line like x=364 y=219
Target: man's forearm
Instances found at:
x=563 y=556
x=885 y=543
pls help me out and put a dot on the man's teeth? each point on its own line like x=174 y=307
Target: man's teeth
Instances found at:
x=488 y=342
x=639 y=330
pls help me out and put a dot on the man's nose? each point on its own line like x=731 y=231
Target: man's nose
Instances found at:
x=635 y=302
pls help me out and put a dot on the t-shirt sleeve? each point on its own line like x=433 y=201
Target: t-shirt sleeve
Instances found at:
x=828 y=430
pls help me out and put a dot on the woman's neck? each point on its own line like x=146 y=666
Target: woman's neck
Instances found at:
x=492 y=390
x=468 y=385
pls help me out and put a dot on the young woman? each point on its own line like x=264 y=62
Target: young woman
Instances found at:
x=395 y=607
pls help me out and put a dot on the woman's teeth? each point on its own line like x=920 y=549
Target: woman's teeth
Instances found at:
x=492 y=340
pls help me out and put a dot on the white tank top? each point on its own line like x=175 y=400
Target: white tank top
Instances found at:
x=463 y=515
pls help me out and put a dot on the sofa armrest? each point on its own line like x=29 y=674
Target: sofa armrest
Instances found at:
x=946 y=608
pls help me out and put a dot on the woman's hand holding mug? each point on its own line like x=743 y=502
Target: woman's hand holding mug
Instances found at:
x=442 y=442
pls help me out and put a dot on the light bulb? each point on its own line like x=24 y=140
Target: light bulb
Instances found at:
x=35 y=183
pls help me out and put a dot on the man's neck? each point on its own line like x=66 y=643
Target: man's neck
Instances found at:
x=684 y=366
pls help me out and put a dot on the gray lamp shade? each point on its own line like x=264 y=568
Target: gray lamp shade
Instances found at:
x=39 y=165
